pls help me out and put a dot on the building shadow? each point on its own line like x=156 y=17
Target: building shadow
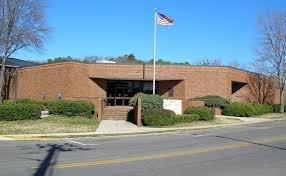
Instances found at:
x=45 y=165
x=250 y=142
x=131 y=116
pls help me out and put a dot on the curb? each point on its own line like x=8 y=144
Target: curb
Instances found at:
x=59 y=136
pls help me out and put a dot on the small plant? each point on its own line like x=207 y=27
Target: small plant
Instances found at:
x=158 y=117
x=148 y=101
x=204 y=112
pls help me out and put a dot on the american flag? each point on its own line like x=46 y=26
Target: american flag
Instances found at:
x=164 y=20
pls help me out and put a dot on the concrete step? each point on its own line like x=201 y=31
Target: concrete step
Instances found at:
x=116 y=112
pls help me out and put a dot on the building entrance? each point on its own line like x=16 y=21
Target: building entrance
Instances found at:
x=120 y=92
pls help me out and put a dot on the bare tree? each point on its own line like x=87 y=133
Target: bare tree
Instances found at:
x=272 y=48
x=211 y=62
x=91 y=59
x=261 y=88
x=234 y=63
x=22 y=25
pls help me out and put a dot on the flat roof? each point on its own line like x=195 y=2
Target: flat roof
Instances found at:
x=158 y=65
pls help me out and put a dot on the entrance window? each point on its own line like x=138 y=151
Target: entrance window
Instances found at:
x=120 y=92
x=147 y=87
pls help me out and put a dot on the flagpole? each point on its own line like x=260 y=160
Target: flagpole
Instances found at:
x=154 y=51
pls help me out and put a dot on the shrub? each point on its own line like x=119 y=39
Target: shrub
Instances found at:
x=6 y=102
x=213 y=101
x=71 y=108
x=28 y=101
x=276 y=108
x=25 y=101
x=205 y=113
x=158 y=117
x=247 y=109
x=20 y=111
x=260 y=109
x=186 y=118
x=148 y=101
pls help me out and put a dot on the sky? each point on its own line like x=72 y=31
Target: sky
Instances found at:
x=220 y=29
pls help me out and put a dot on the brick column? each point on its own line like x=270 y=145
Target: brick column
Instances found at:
x=137 y=112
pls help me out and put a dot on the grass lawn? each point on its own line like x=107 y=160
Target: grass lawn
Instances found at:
x=217 y=121
x=51 y=124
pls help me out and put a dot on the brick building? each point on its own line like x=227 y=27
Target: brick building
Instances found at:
x=10 y=83
x=116 y=83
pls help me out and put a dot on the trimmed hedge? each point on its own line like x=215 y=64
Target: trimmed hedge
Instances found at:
x=23 y=101
x=276 y=108
x=187 y=118
x=205 y=113
x=158 y=117
x=247 y=109
x=148 y=101
x=71 y=108
x=29 y=101
x=213 y=101
x=20 y=111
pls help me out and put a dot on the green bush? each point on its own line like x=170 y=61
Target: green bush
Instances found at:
x=263 y=109
x=247 y=109
x=19 y=111
x=8 y=102
x=148 y=101
x=276 y=108
x=187 y=118
x=205 y=113
x=28 y=101
x=213 y=101
x=158 y=117
x=71 y=108
x=25 y=101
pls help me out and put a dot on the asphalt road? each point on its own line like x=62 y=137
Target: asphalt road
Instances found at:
x=257 y=149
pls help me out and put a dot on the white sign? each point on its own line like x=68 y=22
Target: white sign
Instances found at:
x=174 y=105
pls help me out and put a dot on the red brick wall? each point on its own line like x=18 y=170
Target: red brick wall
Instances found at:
x=51 y=78
x=82 y=81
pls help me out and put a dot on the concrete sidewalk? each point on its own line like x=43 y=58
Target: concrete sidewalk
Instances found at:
x=244 y=119
x=116 y=126
x=120 y=128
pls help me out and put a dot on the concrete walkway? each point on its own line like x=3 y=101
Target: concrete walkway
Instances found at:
x=116 y=126
x=5 y=138
x=121 y=127
x=244 y=119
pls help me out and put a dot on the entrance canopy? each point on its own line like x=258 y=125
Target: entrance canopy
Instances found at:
x=134 y=79
x=119 y=90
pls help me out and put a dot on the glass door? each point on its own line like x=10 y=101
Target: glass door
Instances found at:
x=121 y=96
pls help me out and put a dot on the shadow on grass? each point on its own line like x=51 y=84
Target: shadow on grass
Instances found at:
x=45 y=166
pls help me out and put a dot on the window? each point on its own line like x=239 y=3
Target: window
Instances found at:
x=147 y=87
x=171 y=92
